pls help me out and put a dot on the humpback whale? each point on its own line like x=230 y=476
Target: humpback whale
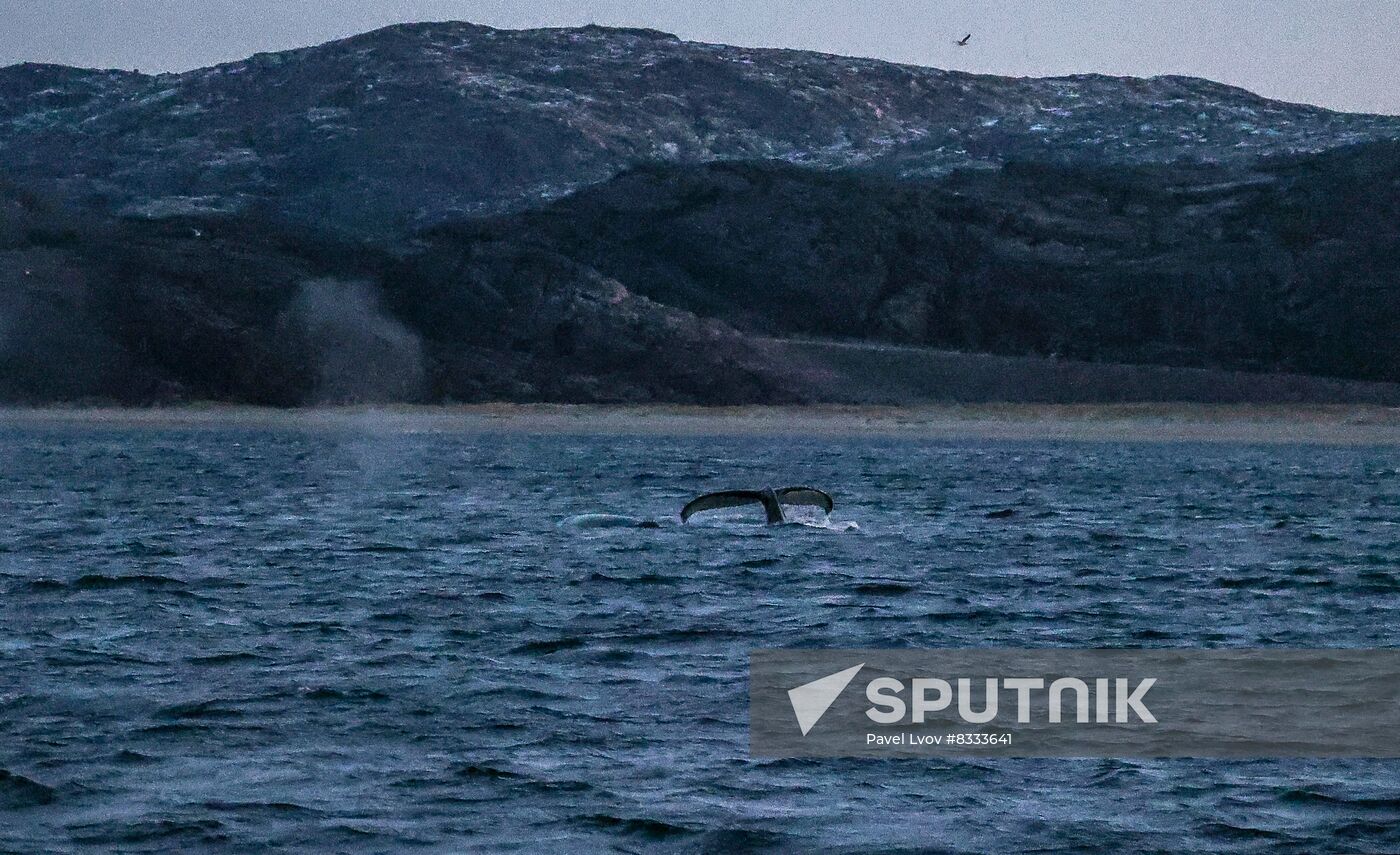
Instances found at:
x=597 y=521
x=771 y=500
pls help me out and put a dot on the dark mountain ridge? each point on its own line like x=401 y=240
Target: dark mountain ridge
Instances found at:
x=449 y=212
x=411 y=125
x=238 y=309
x=1288 y=264
x=668 y=282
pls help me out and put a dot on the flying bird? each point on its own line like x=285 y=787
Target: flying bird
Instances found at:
x=963 y=42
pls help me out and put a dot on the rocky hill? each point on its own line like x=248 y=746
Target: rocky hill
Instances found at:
x=447 y=212
x=238 y=309
x=688 y=283
x=1289 y=264
x=408 y=126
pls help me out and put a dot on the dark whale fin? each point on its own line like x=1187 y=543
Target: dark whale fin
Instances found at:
x=771 y=500
x=722 y=499
x=805 y=496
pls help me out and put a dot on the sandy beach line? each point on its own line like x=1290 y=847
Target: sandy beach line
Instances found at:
x=1088 y=423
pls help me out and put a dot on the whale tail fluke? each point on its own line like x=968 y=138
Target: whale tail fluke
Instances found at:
x=805 y=496
x=771 y=500
x=722 y=499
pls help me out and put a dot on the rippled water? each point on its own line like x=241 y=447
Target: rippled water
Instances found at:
x=355 y=641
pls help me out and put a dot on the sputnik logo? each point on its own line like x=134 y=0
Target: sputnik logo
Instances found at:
x=810 y=701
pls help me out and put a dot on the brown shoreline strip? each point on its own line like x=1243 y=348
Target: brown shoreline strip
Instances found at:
x=1086 y=423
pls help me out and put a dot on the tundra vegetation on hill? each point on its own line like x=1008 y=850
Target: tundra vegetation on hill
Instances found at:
x=401 y=128
x=450 y=212
x=247 y=310
x=1286 y=265
x=667 y=282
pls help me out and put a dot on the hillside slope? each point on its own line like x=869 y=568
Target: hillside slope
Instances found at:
x=1290 y=264
x=670 y=283
x=235 y=309
x=407 y=126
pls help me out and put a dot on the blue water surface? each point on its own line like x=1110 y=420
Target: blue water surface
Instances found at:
x=360 y=640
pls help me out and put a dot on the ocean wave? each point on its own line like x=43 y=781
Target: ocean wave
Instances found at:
x=18 y=791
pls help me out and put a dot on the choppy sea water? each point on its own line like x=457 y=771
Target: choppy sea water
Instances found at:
x=336 y=640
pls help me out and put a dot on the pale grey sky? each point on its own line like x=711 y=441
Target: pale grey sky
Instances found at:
x=1337 y=53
